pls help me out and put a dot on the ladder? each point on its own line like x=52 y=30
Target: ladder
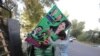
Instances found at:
x=3 y=45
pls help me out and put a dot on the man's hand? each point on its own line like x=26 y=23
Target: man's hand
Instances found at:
x=46 y=42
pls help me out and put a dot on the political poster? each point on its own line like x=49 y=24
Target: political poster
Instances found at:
x=54 y=21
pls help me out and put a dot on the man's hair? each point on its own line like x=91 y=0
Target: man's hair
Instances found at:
x=67 y=23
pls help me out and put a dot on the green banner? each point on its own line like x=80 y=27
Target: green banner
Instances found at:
x=54 y=21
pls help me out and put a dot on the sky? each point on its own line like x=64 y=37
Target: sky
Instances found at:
x=82 y=10
x=20 y=6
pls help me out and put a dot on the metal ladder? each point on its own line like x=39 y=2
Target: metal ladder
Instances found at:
x=3 y=45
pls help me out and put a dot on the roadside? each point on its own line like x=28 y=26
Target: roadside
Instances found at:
x=89 y=43
x=77 y=48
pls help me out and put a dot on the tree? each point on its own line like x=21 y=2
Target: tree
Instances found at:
x=34 y=11
x=77 y=28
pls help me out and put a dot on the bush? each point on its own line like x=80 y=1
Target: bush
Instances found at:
x=97 y=40
x=83 y=37
x=87 y=37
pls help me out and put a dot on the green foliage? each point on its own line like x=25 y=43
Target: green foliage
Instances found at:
x=83 y=37
x=34 y=10
x=90 y=36
x=95 y=38
x=32 y=14
x=98 y=40
x=77 y=28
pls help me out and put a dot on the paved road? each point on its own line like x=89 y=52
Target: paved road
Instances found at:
x=80 y=49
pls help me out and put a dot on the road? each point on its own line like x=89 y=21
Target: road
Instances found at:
x=80 y=49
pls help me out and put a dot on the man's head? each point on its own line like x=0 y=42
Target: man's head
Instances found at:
x=67 y=23
x=63 y=25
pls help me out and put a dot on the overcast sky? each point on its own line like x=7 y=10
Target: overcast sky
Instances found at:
x=82 y=10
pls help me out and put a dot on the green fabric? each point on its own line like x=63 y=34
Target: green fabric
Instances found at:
x=43 y=52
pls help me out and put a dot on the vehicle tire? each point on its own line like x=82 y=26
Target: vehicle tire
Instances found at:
x=14 y=38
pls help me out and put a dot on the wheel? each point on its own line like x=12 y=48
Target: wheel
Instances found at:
x=14 y=38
